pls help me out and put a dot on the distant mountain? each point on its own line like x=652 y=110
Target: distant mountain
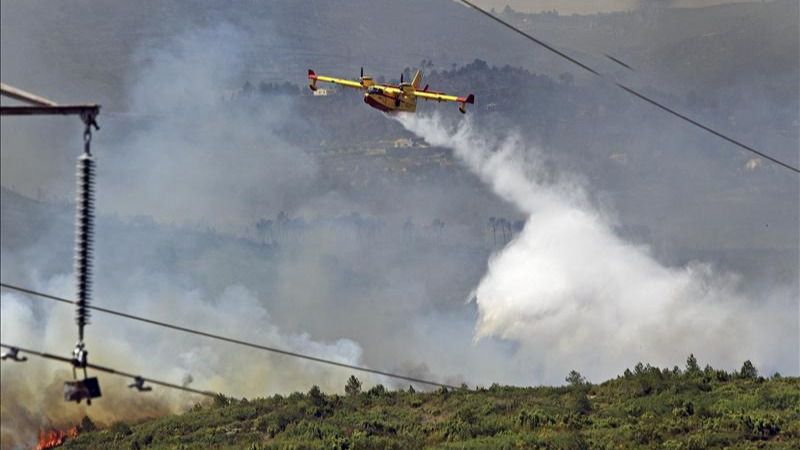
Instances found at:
x=90 y=45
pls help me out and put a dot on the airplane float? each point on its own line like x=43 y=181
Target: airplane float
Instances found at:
x=392 y=98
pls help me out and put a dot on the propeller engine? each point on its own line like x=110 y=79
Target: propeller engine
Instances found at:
x=399 y=97
x=366 y=80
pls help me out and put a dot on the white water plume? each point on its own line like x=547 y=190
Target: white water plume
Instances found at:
x=574 y=294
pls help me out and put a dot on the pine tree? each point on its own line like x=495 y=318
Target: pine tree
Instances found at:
x=692 y=368
x=575 y=379
x=353 y=386
x=748 y=370
x=316 y=396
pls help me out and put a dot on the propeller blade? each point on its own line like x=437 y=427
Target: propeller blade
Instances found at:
x=362 y=72
x=401 y=77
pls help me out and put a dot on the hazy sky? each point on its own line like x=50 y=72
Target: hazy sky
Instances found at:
x=587 y=6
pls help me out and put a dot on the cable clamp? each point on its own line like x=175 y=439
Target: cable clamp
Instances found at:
x=138 y=384
x=89 y=118
x=13 y=354
x=80 y=358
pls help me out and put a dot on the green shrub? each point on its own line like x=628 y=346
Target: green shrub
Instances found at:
x=377 y=427
x=685 y=409
x=533 y=420
x=783 y=400
x=570 y=441
x=87 y=425
x=120 y=429
x=579 y=403
x=377 y=391
x=457 y=430
x=756 y=428
x=647 y=432
x=353 y=386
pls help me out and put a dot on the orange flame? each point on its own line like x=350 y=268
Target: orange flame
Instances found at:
x=55 y=438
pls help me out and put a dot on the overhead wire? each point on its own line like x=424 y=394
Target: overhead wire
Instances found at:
x=629 y=89
x=110 y=370
x=231 y=340
x=618 y=61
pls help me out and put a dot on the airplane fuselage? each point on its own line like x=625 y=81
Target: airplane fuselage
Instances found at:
x=390 y=101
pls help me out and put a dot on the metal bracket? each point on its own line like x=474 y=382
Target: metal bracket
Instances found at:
x=88 y=388
x=13 y=354
x=77 y=390
x=39 y=106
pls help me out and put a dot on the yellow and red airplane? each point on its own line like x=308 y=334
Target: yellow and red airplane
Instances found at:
x=392 y=97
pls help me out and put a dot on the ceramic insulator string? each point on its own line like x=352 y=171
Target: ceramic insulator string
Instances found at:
x=84 y=237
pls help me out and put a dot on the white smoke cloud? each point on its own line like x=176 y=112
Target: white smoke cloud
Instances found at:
x=32 y=390
x=196 y=154
x=574 y=294
x=214 y=366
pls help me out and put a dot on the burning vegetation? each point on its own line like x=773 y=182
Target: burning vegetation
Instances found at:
x=55 y=438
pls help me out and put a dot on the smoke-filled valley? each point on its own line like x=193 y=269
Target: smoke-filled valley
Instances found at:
x=558 y=226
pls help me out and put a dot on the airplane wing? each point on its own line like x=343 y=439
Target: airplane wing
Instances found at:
x=313 y=78
x=440 y=97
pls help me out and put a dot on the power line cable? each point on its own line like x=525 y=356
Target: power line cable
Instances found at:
x=618 y=61
x=704 y=127
x=230 y=340
x=627 y=88
x=109 y=370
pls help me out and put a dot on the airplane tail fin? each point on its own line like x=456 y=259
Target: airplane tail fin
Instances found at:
x=462 y=106
x=312 y=80
x=417 y=80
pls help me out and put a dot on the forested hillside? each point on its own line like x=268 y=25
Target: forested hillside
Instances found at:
x=646 y=407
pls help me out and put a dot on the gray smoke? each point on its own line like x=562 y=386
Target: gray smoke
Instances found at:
x=190 y=162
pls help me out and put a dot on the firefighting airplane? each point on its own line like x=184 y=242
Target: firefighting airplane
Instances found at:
x=392 y=97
